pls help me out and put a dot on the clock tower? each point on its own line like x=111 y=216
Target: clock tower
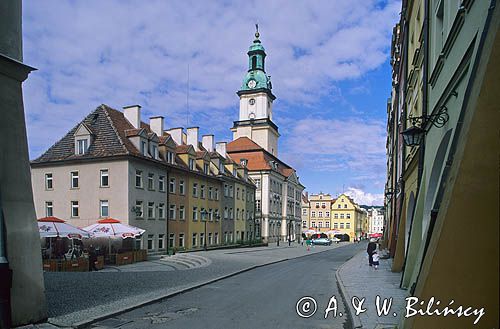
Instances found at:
x=256 y=102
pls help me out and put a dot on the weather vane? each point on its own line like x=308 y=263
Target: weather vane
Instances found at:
x=257 y=30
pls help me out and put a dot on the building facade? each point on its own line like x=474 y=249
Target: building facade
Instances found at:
x=449 y=50
x=375 y=220
x=173 y=186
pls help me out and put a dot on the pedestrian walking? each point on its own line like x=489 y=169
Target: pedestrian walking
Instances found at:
x=375 y=258
x=308 y=244
x=372 y=246
x=92 y=259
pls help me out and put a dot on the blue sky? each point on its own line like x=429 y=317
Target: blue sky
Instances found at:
x=329 y=62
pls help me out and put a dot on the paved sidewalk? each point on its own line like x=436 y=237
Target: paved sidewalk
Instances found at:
x=357 y=279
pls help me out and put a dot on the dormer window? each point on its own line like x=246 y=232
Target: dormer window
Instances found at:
x=234 y=172
x=144 y=148
x=82 y=146
x=206 y=168
x=192 y=164
x=170 y=157
x=155 y=152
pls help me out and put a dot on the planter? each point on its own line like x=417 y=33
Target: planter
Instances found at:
x=76 y=265
x=50 y=265
x=124 y=258
x=140 y=255
x=99 y=264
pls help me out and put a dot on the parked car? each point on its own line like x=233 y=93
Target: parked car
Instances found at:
x=342 y=237
x=335 y=239
x=322 y=241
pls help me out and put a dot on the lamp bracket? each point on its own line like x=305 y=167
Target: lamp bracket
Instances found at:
x=438 y=119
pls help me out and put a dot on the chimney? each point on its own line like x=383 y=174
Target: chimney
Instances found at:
x=220 y=147
x=156 y=124
x=192 y=137
x=208 y=142
x=133 y=115
x=176 y=134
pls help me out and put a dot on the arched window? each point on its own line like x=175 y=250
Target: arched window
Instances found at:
x=254 y=62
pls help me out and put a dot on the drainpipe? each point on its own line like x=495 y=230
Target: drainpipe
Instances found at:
x=5 y=276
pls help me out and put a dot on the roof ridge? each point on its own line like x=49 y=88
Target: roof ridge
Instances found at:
x=105 y=108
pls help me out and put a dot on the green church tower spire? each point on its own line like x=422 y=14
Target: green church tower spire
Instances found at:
x=256 y=78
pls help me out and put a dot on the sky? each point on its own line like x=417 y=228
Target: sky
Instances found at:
x=328 y=62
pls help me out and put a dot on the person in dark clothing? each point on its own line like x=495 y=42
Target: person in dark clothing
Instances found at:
x=372 y=246
x=92 y=259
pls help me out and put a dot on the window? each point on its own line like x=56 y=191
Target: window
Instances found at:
x=104 y=178
x=216 y=240
x=335 y=225
x=161 y=238
x=304 y=211
x=49 y=183
x=210 y=193
x=151 y=210
x=81 y=146
x=320 y=224
x=161 y=210
x=181 y=187
x=155 y=152
x=194 y=240
x=144 y=148
x=226 y=190
x=347 y=225
x=304 y=224
x=216 y=196
x=345 y=206
x=327 y=224
x=257 y=183
x=210 y=240
x=216 y=214
x=138 y=178
x=238 y=193
x=313 y=224
x=348 y=216
x=237 y=213
x=151 y=182
x=104 y=206
x=171 y=185
x=150 y=242
x=49 y=209
x=320 y=214
x=195 y=189
x=74 y=209
x=170 y=157
x=226 y=213
x=336 y=216
x=210 y=214
x=341 y=226
x=231 y=191
x=341 y=216
x=243 y=194
x=327 y=214
x=313 y=214
x=195 y=213
x=161 y=183
x=171 y=239
x=74 y=179
x=339 y=206
x=257 y=205
x=206 y=168
x=202 y=239
x=138 y=208
x=192 y=164
x=202 y=191
x=182 y=213
x=171 y=214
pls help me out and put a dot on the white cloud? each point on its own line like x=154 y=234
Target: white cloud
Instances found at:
x=122 y=53
x=363 y=198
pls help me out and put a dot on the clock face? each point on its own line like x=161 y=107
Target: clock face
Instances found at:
x=252 y=84
x=251 y=101
x=251 y=115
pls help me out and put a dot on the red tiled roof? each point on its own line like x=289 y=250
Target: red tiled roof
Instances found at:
x=242 y=144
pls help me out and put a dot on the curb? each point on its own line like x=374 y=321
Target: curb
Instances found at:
x=356 y=322
x=91 y=320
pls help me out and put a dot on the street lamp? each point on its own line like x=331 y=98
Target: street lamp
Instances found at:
x=204 y=214
x=413 y=136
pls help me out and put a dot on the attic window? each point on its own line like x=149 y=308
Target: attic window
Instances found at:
x=170 y=157
x=206 y=168
x=144 y=149
x=244 y=162
x=81 y=146
x=192 y=164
